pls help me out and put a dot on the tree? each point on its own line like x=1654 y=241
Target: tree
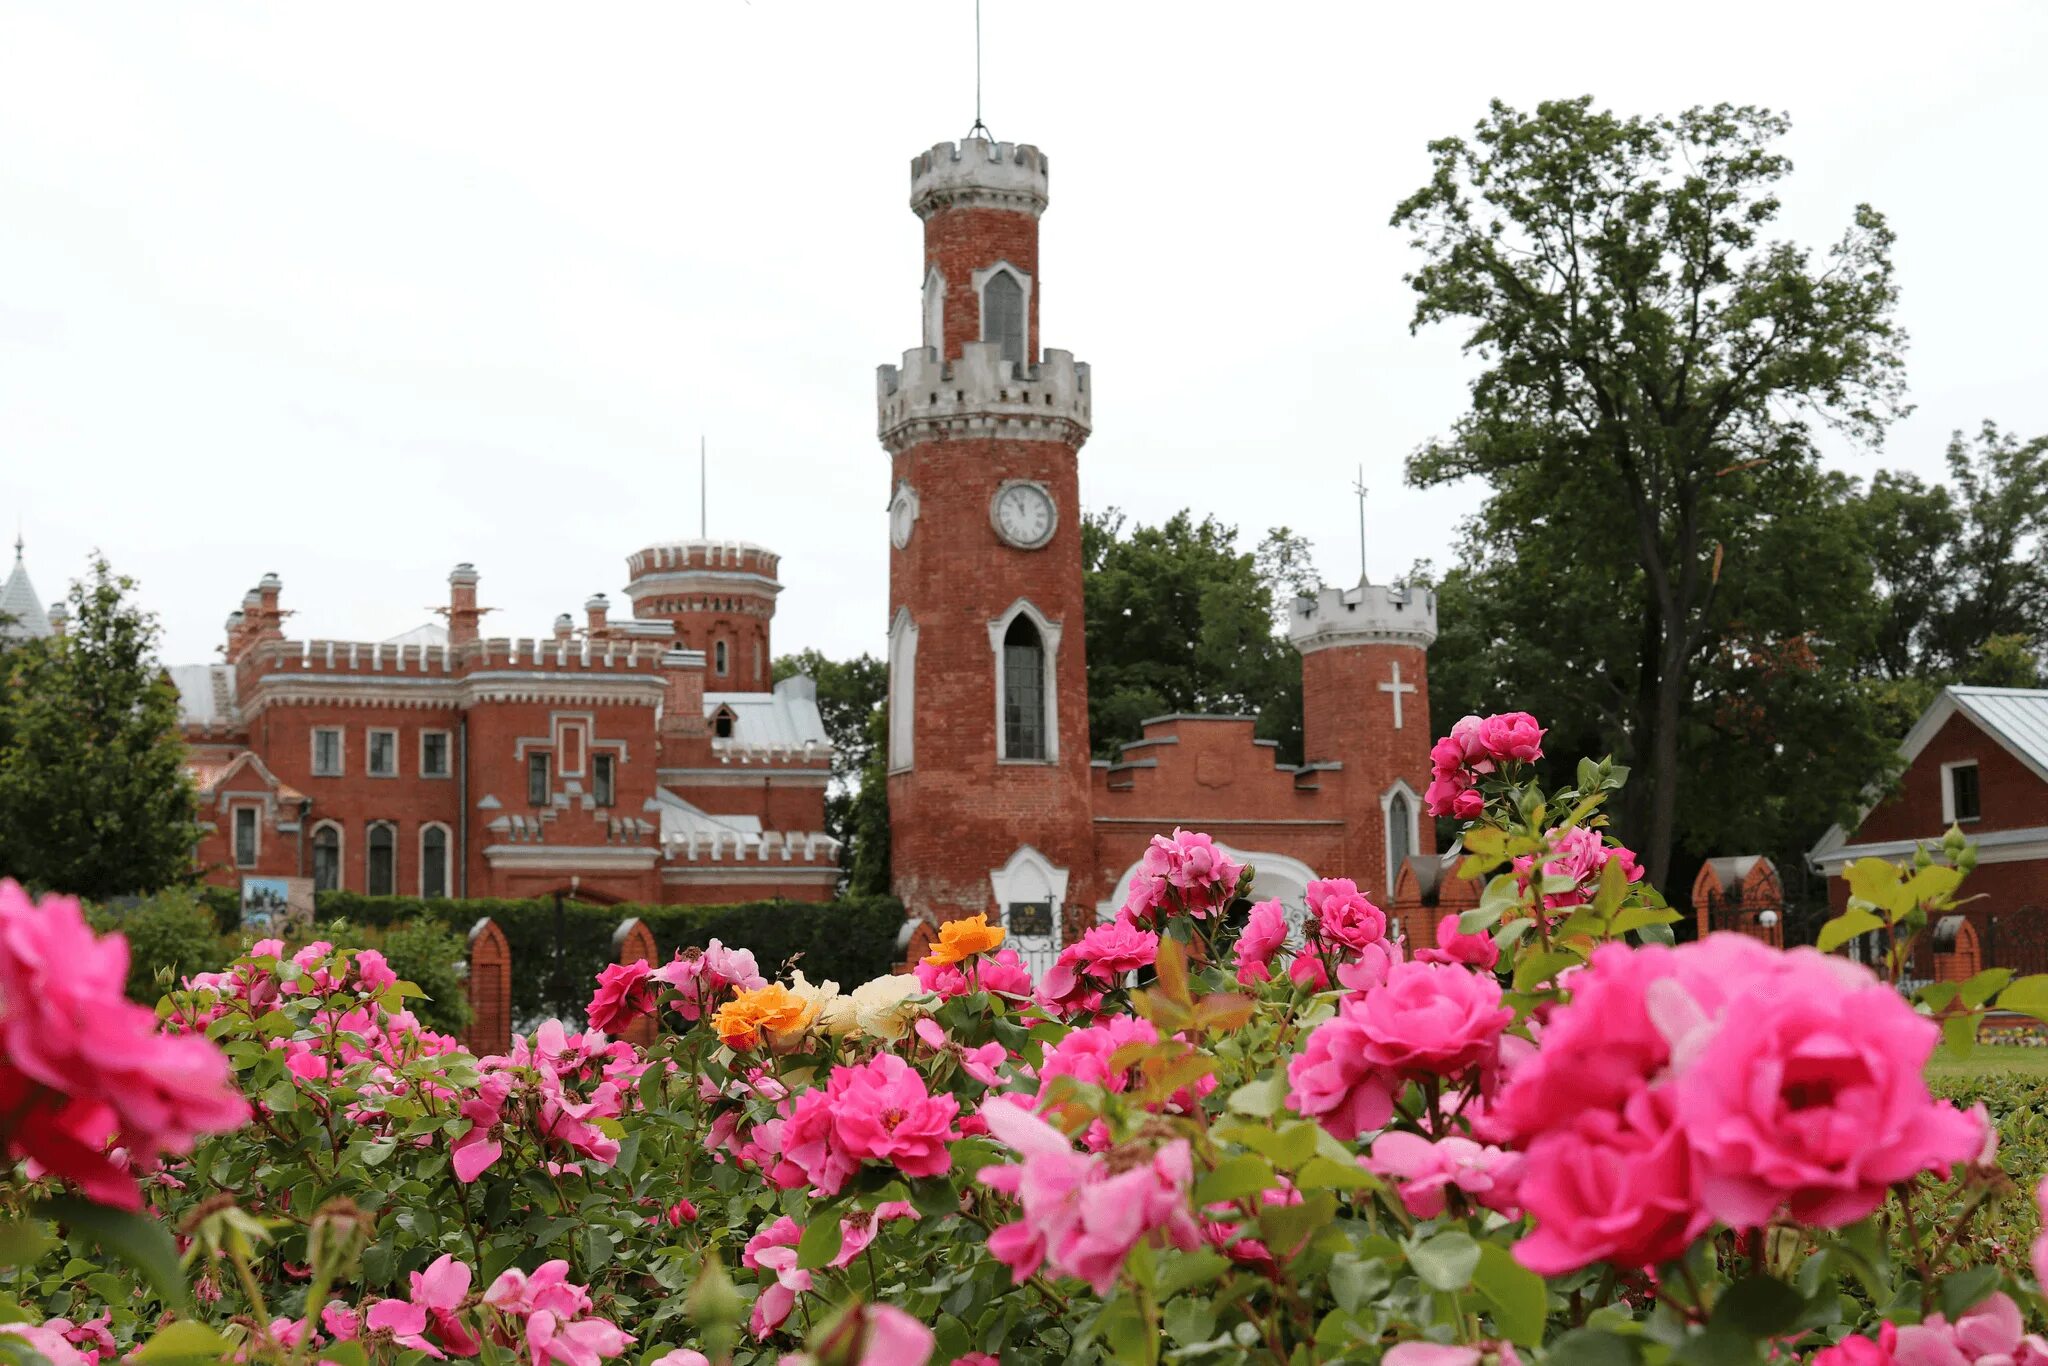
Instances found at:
x=94 y=796
x=851 y=697
x=1180 y=621
x=1651 y=363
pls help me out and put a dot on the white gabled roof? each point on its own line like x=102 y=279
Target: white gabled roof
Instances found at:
x=428 y=633
x=786 y=717
x=2016 y=718
x=21 y=611
x=684 y=822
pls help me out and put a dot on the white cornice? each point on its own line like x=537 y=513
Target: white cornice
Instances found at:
x=740 y=872
x=570 y=857
x=726 y=777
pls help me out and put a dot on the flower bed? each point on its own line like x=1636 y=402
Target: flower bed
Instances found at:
x=1552 y=1132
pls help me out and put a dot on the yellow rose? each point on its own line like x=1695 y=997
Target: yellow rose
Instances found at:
x=774 y=1012
x=963 y=938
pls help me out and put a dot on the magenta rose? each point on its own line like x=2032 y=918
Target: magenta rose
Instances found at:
x=1472 y=950
x=1265 y=931
x=882 y=1112
x=1331 y=1082
x=1611 y=1187
x=625 y=993
x=1431 y=1020
x=1512 y=735
x=1343 y=917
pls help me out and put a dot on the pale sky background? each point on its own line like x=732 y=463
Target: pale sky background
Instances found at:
x=355 y=291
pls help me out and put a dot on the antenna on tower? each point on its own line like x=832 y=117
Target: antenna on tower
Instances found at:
x=979 y=126
x=703 y=494
x=1359 y=489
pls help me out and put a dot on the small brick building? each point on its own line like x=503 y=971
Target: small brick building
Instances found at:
x=1978 y=760
x=996 y=805
x=644 y=759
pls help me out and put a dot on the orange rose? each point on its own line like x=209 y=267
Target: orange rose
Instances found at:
x=960 y=939
x=774 y=1010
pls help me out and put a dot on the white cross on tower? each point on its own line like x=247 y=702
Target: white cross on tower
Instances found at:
x=1397 y=687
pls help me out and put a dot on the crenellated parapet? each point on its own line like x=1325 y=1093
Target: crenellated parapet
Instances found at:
x=977 y=173
x=982 y=395
x=1370 y=614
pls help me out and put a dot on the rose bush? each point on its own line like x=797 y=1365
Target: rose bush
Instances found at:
x=1209 y=1134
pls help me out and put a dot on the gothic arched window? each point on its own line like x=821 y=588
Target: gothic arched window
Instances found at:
x=1002 y=314
x=1023 y=691
x=1400 y=835
x=434 y=861
x=382 y=878
x=327 y=859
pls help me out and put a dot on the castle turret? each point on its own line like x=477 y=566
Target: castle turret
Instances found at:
x=988 y=680
x=720 y=596
x=1365 y=711
x=463 y=613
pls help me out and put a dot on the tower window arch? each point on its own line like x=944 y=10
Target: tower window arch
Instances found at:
x=1399 y=807
x=1023 y=691
x=381 y=878
x=935 y=311
x=719 y=656
x=327 y=857
x=1005 y=309
x=434 y=860
x=902 y=690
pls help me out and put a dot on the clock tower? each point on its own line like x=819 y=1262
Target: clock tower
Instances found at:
x=989 y=807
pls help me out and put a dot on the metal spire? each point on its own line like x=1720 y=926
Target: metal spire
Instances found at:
x=979 y=126
x=1359 y=489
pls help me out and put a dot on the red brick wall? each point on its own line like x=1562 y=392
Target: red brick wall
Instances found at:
x=2011 y=796
x=962 y=241
x=490 y=991
x=1346 y=718
x=959 y=813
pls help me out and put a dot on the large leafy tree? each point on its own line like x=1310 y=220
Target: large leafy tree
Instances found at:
x=1652 y=363
x=1180 y=621
x=94 y=796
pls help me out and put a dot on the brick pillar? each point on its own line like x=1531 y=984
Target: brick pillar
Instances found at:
x=914 y=941
x=633 y=942
x=1957 y=955
x=490 y=990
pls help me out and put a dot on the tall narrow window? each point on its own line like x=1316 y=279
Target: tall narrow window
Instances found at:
x=536 y=780
x=935 y=311
x=434 y=861
x=326 y=859
x=718 y=657
x=601 y=771
x=383 y=761
x=383 y=868
x=245 y=837
x=1002 y=314
x=327 y=752
x=1400 y=835
x=1965 y=803
x=434 y=754
x=1023 y=691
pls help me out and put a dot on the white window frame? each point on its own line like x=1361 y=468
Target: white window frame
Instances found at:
x=447 y=752
x=340 y=851
x=234 y=834
x=1049 y=636
x=340 y=734
x=935 y=311
x=981 y=279
x=1407 y=793
x=447 y=859
x=370 y=752
x=903 y=692
x=370 y=829
x=1948 y=792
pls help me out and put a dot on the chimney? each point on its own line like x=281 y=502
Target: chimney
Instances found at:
x=597 y=608
x=565 y=626
x=463 y=613
x=60 y=616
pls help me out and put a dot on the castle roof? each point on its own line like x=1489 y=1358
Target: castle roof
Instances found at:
x=785 y=718
x=206 y=693
x=21 y=611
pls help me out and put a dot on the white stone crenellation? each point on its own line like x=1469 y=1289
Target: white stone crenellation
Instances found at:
x=1370 y=614
x=981 y=394
x=977 y=173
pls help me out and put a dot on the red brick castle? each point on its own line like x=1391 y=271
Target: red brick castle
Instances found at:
x=995 y=804
x=649 y=759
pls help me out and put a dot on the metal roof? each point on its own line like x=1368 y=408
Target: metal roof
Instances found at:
x=2015 y=717
x=786 y=716
x=206 y=693
x=21 y=611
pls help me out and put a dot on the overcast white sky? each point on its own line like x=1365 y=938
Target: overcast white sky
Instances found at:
x=354 y=291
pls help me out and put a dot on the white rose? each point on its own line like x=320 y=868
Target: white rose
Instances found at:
x=886 y=1007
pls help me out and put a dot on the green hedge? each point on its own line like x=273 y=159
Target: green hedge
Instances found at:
x=845 y=941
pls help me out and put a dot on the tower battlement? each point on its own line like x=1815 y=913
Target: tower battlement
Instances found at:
x=1370 y=614
x=977 y=173
x=981 y=394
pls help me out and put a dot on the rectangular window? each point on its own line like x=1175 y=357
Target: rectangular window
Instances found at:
x=1963 y=800
x=383 y=754
x=327 y=752
x=245 y=837
x=433 y=754
x=536 y=780
x=601 y=777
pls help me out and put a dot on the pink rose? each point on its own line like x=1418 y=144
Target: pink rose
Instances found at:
x=1331 y=1082
x=1265 y=931
x=1001 y=973
x=1473 y=950
x=1431 y=1020
x=1424 y=1172
x=1992 y=1332
x=1611 y=1187
x=882 y=1112
x=1445 y=1354
x=1855 y=1351
x=625 y=993
x=1341 y=917
x=1110 y=951
x=1512 y=735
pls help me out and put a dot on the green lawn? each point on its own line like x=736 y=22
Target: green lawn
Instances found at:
x=1991 y=1060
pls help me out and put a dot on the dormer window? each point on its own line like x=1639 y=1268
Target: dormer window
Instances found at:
x=721 y=723
x=1960 y=797
x=1002 y=314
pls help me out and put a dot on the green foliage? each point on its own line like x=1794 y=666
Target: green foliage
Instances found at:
x=170 y=936
x=94 y=797
x=1651 y=360
x=851 y=701
x=430 y=954
x=1180 y=621
x=846 y=941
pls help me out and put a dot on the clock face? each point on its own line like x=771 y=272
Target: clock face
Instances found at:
x=1024 y=515
x=902 y=516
